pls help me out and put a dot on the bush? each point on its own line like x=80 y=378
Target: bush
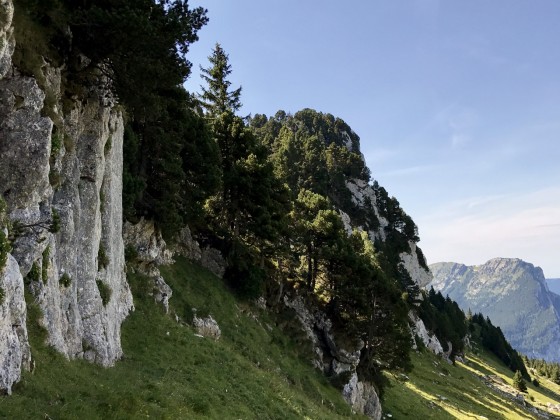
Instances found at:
x=2 y=295
x=105 y=292
x=34 y=274
x=102 y=258
x=65 y=280
x=55 y=222
x=130 y=254
x=45 y=266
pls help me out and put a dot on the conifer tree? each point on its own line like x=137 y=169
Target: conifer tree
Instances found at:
x=519 y=382
x=217 y=98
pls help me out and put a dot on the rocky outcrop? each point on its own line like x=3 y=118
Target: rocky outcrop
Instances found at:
x=362 y=397
x=411 y=263
x=207 y=257
x=419 y=332
x=334 y=361
x=362 y=192
x=14 y=345
x=151 y=249
x=207 y=327
x=513 y=294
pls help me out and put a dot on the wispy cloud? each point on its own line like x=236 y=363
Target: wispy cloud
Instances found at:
x=410 y=170
x=477 y=229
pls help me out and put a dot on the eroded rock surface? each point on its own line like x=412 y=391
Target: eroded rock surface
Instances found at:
x=14 y=345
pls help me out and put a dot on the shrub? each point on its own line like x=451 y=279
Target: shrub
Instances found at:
x=55 y=222
x=102 y=258
x=130 y=253
x=56 y=144
x=105 y=292
x=65 y=280
x=45 y=266
x=2 y=295
x=34 y=274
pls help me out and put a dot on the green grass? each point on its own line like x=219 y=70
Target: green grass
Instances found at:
x=437 y=390
x=253 y=371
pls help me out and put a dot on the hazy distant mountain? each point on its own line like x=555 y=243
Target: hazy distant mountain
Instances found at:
x=554 y=285
x=513 y=294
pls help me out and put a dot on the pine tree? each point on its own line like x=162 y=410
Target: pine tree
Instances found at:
x=217 y=97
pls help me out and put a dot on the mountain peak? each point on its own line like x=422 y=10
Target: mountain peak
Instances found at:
x=514 y=294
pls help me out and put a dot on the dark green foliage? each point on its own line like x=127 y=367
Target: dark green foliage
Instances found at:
x=65 y=280
x=130 y=253
x=34 y=274
x=248 y=214
x=244 y=274
x=217 y=97
x=133 y=182
x=102 y=258
x=55 y=222
x=2 y=295
x=56 y=144
x=444 y=317
x=550 y=370
x=519 y=382
x=493 y=339
x=105 y=292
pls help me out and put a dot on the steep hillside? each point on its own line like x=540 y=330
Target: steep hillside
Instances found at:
x=254 y=370
x=513 y=294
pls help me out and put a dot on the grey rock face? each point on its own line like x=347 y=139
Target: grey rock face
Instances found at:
x=73 y=172
x=14 y=345
x=7 y=42
x=513 y=294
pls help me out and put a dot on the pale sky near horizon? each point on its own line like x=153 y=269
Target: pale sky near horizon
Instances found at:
x=457 y=105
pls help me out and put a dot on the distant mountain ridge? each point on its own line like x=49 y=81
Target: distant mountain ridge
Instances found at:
x=553 y=285
x=513 y=294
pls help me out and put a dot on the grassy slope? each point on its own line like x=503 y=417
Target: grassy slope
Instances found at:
x=253 y=371
x=437 y=390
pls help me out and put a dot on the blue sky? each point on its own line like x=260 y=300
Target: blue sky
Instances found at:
x=457 y=104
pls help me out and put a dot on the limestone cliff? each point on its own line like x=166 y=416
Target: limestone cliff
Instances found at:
x=63 y=184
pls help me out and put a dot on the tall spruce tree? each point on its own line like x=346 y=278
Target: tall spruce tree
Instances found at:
x=217 y=98
x=249 y=211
